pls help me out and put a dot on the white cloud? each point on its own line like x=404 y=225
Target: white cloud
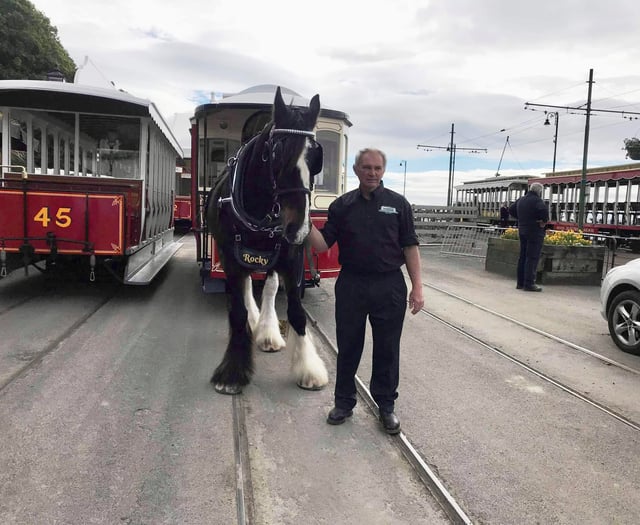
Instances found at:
x=404 y=71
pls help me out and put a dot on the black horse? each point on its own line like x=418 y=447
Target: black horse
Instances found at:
x=259 y=216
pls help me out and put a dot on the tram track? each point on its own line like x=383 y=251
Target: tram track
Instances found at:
x=427 y=475
x=8 y=308
x=528 y=327
x=546 y=377
x=541 y=375
x=35 y=358
x=532 y=363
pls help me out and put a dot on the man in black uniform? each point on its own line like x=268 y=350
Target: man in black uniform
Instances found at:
x=532 y=215
x=374 y=229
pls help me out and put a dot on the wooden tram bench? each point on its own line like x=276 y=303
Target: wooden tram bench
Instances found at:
x=432 y=222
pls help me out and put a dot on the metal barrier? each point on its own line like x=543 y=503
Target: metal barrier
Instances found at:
x=611 y=253
x=468 y=240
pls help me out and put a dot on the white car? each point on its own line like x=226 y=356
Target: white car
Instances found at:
x=620 y=305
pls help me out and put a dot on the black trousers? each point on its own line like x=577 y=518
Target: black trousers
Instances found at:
x=530 y=249
x=383 y=299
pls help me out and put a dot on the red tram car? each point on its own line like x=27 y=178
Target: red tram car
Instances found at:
x=219 y=128
x=612 y=201
x=87 y=177
x=611 y=204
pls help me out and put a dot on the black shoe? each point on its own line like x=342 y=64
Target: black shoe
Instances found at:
x=390 y=422
x=534 y=288
x=337 y=415
x=519 y=287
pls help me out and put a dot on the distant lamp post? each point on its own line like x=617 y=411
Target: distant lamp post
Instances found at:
x=554 y=116
x=404 y=185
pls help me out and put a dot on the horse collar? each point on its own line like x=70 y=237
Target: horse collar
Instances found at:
x=271 y=223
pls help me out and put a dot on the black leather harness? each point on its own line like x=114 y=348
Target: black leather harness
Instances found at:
x=269 y=227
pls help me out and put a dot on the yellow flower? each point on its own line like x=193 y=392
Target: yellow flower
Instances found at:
x=558 y=238
x=510 y=233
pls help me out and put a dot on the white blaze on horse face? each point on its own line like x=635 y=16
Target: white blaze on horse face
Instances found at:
x=305 y=227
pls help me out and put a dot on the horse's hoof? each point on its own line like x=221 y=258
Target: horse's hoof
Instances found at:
x=312 y=387
x=270 y=344
x=230 y=390
x=268 y=349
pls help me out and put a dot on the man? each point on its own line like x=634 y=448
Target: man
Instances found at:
x=374 y=229
x=504 y=215
x=532 y=215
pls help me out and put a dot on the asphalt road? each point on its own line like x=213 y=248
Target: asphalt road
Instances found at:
x=114 y=420
x=107 y=414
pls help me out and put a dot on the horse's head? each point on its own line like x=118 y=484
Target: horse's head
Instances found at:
x=295 y=158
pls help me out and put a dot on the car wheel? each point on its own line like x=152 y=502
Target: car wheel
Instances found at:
x=624 y=321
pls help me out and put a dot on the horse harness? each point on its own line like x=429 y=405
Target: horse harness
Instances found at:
x=270 y=226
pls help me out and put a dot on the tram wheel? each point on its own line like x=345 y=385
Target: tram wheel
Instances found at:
x=624 y=321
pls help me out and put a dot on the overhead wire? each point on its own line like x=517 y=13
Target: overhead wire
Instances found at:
x=521 y=128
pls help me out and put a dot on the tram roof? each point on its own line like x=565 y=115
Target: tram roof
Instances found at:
x=610 y=175
x=81 y=98
x=496 y=182
x=261 y=97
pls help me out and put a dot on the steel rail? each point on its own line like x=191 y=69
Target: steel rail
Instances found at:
x=555 y=338
x=40 y=355
x=244 y=490
x=536 y=372
x=433 y=484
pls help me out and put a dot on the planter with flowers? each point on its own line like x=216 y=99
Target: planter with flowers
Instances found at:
x=566 y=258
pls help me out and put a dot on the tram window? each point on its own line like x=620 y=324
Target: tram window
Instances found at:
x=183 y=177
x=17 y=144
x=218 y=151
x=118 y=140
x=327 y=179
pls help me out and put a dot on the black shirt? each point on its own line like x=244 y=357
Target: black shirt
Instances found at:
x=370 y=233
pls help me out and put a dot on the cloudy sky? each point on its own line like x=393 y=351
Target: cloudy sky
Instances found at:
x=403 y=70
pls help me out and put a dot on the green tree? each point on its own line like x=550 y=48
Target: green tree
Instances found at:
x=29 y=45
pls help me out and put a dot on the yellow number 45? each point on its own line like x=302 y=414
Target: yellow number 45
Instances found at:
x=63 y=217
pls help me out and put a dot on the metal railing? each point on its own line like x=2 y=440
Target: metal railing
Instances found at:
x=468 y=240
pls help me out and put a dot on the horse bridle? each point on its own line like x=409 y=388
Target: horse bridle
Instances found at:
x=270 y=224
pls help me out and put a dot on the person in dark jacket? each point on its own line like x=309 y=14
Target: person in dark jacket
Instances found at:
x=532 y=215
x=504 y=215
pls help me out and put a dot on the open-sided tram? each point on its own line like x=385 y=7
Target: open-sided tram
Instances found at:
x=612 y=200
x=87 y=179
x=219 y=128
x=486 y=196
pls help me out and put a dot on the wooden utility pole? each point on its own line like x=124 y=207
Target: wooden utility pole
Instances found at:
x=583 y=182
x=451 y=148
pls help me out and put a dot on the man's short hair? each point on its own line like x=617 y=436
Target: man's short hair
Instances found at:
x=371 y=150
x=537 y=188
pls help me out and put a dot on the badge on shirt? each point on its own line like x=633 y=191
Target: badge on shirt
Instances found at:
x=388 y=209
